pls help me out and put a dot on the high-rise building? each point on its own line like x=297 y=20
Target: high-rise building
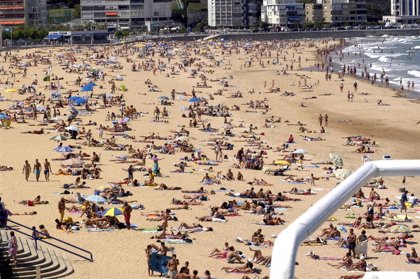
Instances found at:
x=314 y=13
x=404 y=11
x=23 y=12
x=232 y=13
x=127 y=13
x=36 y=13
x=341 y=12
x=282 y=12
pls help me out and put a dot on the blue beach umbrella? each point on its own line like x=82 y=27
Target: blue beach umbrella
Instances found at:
x=194 y=100
x=63 y=149
x=77 y=100
x=96 y=199
x=87 y=87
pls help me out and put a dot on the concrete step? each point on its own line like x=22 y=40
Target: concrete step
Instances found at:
x=49 y=263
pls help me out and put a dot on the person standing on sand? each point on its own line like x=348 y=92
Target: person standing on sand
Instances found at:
x=127 y=214
x=403 y=200
x=37 y=169
x=26 y=170
x=320 y=119
x=62 y=208
x=47 y=170
x=130 y=171
x=173 y=267
x=326 y=120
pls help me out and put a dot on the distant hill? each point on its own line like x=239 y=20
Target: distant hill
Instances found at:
x=375 y=8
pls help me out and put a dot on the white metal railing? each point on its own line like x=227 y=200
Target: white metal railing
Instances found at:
x=289 y=240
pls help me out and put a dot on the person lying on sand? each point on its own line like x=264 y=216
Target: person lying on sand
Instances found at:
x=36 y=132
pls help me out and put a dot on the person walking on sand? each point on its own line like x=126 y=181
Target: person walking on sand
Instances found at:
x=320 y=119
x=62 y=208
x=47 y=170
x=37 y=169
x=26 y=169
x=127 y=214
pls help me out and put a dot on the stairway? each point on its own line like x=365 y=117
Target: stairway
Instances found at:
x=44 y=262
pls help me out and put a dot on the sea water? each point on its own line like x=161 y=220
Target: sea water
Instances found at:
x=397 y=57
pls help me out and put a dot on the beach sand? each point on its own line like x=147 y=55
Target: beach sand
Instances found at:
x=121 y=253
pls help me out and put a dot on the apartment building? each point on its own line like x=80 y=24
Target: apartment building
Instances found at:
x=232 y=13
x=23 y=12
x=314 y=13
x=344 y=12
x=404 y=11
x=127 y=13
x=282 y=12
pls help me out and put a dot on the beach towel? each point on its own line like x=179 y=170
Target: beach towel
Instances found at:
x=99 y=230
x=361 y=248
x=150 y=230
x=159 y=263
x=176 y=241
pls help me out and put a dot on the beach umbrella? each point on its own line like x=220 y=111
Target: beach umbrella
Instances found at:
x=77 y=100
x=163 y=98
x=112 y=212
x=299 y=151
x=194 y=100
x=336 y=160
x=342 y=173
x=72 y=128
x=96 y=199
x=59 y=137
x=399 y=229
x=72 y=162
x=282 y=163
x=63 y=149
x=227 y=126
x=86 y=88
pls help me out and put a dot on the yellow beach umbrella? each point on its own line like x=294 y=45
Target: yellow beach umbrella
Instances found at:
x=114 y=211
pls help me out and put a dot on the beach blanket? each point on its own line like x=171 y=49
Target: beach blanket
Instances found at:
x=361 y=248
x=159 y=263
x=99 y=230
x=175 y=241
x=150 y=230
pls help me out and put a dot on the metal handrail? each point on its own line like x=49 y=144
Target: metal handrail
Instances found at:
x=36 y=232
x=289 y=240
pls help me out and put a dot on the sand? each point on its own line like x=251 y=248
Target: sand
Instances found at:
x=121 y=253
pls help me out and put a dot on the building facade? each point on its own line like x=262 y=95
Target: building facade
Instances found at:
x=36 y=13
x=23 y=12
x=282 y=12
x=127 y=13
x=314 y=13
x=404 y=11
x=344 y=12
x=232 y=13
